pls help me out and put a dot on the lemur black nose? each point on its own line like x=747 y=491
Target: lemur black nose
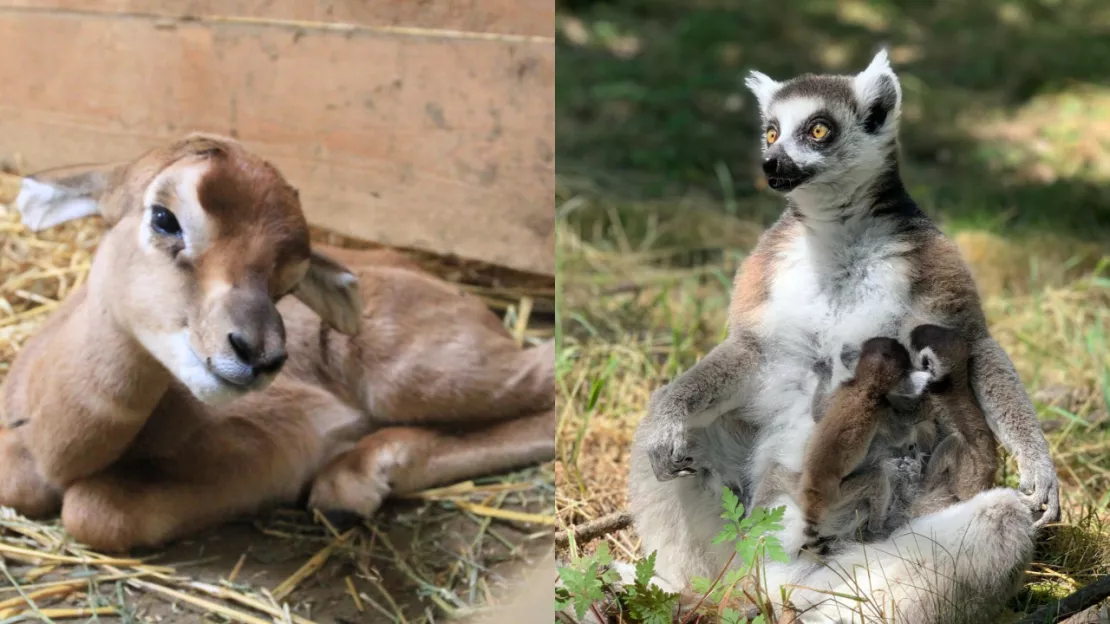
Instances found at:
x=252 y=353
x=771 y=165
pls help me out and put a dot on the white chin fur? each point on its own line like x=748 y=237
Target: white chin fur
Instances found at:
x=176 y=354
x=918 y=381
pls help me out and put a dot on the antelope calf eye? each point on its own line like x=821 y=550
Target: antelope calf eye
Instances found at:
x=163 y=221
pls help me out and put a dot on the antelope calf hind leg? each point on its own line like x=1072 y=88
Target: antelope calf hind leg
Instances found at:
x=461 y=400
x=402 y=460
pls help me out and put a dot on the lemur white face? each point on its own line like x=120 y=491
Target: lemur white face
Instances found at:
x=826 y=132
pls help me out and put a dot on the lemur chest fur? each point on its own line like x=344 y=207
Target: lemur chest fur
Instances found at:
x=825 y=296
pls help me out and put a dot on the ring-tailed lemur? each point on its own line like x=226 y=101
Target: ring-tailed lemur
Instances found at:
x=851 y=258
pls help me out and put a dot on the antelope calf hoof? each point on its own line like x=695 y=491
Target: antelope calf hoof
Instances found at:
x=342 y=491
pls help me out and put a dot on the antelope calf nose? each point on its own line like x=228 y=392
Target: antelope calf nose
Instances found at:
x=251 y=351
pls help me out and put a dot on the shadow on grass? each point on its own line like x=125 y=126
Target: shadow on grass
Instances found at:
x=650 y=101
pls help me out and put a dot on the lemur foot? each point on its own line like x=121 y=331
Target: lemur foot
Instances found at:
x=670 y=448
x=820 y=545
x=1040 y=491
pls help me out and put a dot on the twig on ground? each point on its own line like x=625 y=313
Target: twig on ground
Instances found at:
x=1072 y=604
x=588 y=531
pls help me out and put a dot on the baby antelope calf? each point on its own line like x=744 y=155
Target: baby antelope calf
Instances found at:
x=216 y=361
x=965 y=461
x=842 y=468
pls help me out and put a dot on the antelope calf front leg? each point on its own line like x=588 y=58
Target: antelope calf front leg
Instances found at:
x=22 y=487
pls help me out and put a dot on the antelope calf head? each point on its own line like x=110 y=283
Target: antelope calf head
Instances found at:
x=205 y=238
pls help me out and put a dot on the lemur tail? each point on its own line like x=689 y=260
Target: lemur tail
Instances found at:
x=956 y=565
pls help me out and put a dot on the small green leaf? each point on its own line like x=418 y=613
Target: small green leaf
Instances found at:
x=730 y=499
x=745 y=549
x=645 y=569
x=700 y=584
x=728 y=534
x=775 y=550
x=602 y=554
x=732 y=616
x=570 y=576
x=562 y=599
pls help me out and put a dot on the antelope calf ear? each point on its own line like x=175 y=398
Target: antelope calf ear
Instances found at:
x=55 y=196
x=331 y=290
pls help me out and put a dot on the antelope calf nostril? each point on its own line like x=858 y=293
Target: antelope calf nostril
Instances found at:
x=242 y=348
x=271 y=364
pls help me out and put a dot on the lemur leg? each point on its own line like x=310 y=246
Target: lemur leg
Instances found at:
x=402 y=460
x=22 y=487
x=1013 y=419
x=713 y=386
x=943 y=461
x=677 y=519
x=863 y=499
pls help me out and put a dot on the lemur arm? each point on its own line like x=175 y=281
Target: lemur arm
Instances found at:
x=696 y=398
x=1013 y=419
x=714 y=385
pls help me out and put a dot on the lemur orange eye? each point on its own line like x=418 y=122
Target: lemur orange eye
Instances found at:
x=772 y=135
x=819 y=131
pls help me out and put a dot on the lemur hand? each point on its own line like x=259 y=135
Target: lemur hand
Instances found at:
x=668 y=440
x=1041 y=488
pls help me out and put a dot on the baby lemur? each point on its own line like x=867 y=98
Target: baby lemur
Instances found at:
x=843 y=461
x=843 y=469
x=966 y=460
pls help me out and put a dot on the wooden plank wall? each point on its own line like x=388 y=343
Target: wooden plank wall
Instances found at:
x=417 y=123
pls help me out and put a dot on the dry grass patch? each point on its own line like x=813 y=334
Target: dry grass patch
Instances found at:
x=621 y=343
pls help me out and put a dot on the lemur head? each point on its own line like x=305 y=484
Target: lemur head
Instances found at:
x=886 y=367
x=828 y=133
x=939 y=351
x=883 y=363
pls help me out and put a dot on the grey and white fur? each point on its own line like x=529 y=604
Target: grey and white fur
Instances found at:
x=851 y=258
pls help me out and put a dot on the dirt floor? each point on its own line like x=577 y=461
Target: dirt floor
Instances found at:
x=418 y=563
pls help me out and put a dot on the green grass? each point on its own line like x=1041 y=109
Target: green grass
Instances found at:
x=1005 y=118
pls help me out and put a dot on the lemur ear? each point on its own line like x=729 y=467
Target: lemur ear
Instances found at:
x=879 y=92
x=763 y=87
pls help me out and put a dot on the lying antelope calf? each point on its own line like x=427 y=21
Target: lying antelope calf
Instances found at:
x=150 y=403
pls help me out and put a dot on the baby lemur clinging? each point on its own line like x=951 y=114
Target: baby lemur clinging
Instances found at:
x=841 y=465
x=966 y=460
x=843 y=468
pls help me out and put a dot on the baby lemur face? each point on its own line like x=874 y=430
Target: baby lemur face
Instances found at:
x=886 y=366
x=939 y=351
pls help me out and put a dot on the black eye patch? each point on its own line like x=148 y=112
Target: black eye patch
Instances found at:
x=805 y=131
